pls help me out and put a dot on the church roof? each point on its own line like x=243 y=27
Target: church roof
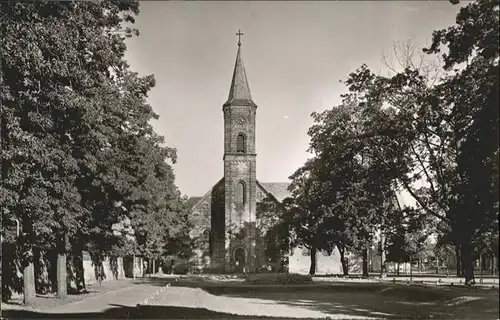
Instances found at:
x=239 y=92
x=278 y=189
x=192 y=202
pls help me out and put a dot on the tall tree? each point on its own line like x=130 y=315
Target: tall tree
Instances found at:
x=351 y=151
x=435 y=126
x=307 y=212
x=407 y=235
x=74 y=125
x=471 y=91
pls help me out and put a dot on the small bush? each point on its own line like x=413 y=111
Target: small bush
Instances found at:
x=179 y=268
x=278 y=278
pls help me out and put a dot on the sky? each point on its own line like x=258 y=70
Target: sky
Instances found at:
x=295 y=54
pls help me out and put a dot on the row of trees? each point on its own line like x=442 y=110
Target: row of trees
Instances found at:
x=427 y=129
x=82 y=168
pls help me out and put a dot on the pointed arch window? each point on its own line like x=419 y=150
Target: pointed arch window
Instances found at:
x=240 y=193
x=241 y=143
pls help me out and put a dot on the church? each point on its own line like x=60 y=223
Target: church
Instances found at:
x=225 y=218
x=228 y=236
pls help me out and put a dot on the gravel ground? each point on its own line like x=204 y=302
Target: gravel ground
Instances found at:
x=163 y=297
x=126 y=297
x=158 y=300
x=197 y=298
x=50 y=301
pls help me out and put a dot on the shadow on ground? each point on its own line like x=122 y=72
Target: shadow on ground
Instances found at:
x=382 y=301
x=143 y=312
x=375 y=300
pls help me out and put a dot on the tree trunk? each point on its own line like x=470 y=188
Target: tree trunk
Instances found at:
x=459 y=262
x=62 y=277
x=493 y=264
x=80 y=272
x=411 y=269
x=382 y=256
x=397 y=271
x=480 y=268
x=467 y=263
x=154 y=267
x=29 y=279
x=345 y=267
x=448 y=266
x=437 y=265
x=312 y=269
x=62 y=287
x=133 y=266
x=29 y=290
x=365 y=262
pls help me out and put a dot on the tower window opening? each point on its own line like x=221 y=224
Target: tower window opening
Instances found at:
x=240 y=193
x=241 y=143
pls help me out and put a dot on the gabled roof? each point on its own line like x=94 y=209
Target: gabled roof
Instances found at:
x=199 y=200
x=239 y=92
x=192 y=202
x=279 y=190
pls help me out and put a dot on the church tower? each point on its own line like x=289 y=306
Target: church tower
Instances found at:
x=239 y=172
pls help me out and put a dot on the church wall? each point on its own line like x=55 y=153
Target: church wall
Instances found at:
x=208 y=233
x=262 y=258
x=201 y=221
x=300 y=261
x=260 y=250
x=265 y=256
x=218 y=228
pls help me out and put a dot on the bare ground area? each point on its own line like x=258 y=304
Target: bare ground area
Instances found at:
x=393 y=302
x=50 y=300
x=198 y=298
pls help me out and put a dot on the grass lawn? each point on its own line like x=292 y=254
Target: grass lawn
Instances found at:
x=383 y=300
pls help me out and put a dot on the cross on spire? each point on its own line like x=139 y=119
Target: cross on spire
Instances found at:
x=239 y=34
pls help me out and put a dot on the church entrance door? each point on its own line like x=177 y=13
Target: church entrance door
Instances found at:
x=239 y=260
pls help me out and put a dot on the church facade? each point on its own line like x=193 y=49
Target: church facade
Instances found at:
x=226 y=229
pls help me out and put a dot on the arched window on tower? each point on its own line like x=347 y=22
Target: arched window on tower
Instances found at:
x=240 y=193
x=241 y=143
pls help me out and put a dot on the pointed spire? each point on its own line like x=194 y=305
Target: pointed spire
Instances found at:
x=239 y=92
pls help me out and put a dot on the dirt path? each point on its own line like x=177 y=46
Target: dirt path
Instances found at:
x=149 y=295
x=197 y=298
x=51 y=301
x=129 y=297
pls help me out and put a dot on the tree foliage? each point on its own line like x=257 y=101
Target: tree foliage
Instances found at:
x=78 y=151
x=342 y=195
x=471 y=92
x=426 y=131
